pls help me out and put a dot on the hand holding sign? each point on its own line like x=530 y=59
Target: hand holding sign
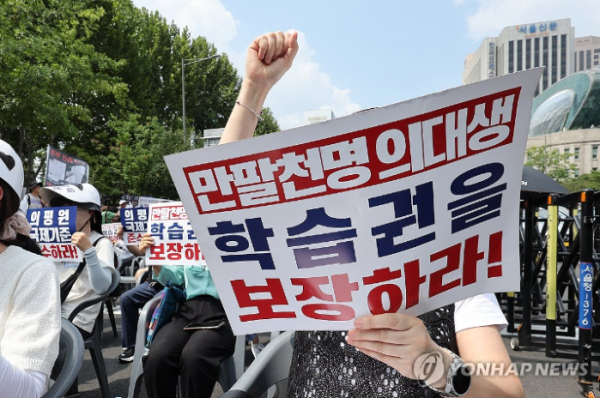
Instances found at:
x=81 y=240
x=398 y=340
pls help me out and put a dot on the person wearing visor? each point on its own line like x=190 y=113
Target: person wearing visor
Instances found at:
x=97 y=251
x=29 y=294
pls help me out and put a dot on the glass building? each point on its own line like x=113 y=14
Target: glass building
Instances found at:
x=570 y=104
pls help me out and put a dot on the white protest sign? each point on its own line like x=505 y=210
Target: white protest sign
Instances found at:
x=110 y=231
x=145 y=201
x=174 y=239
x=405 y=208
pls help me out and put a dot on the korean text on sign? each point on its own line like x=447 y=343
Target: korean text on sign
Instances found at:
x=405 y=208
x=110 y=231
x=135 y=224
x=52 y=228
x=174 y=239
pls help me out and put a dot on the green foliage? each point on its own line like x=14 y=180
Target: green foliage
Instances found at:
x=584 y=181
x=551 y=162
x=268 y=125
x=102 y=80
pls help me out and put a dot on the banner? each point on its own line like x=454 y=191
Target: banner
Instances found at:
x=174 y=239
x=404 y=208
x=62 y=168
x=110 y=231
x=135 y=224
x=52 y=228
x=146 y=201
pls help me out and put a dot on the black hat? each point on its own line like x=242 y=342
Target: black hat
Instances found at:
x=34 y=184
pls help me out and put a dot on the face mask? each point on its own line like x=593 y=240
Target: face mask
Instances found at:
x=84 y=225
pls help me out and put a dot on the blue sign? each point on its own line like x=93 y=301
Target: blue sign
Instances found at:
x=134 y=220
x=586 y=276
x=52 y=228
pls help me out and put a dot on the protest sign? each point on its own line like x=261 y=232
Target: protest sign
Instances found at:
x=174 y=239
x=146 y=201
x=110 y=231
x=405 y=208
x=52 y=228
x=135 y=224
x=62 y=168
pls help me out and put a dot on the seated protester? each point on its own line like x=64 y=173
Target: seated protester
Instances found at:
x=195 y=355
x=133 y=300
x=97 y=274
x=124 y=252
x=383 y=348
x=29 y=294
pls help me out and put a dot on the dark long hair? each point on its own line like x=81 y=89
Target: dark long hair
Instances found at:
x=9 y=205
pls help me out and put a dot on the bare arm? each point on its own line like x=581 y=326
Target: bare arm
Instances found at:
x=484 y=345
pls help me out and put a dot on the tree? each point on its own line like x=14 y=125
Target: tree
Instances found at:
x=268 y=125
x=551 y=162
x=584 y=181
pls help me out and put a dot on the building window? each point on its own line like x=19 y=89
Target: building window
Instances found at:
x=563 y=56
x=588 y=61
x=594 y=152
x=596 y=56
x=554 y=57
x=581 y=61
x=596 y=50
x=567 y=151
x=576 y=153
x=511 y=56
x=594 y=168
x=595 y=63
x=519 y=55
x=576 y=173
x=545 y=62
x=536 y=52
x=528 y=54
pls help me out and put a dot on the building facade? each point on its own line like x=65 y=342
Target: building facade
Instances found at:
x=587 y=53
x=522 y=47
x=566 y=117
x=318 y=115
x=211 y=137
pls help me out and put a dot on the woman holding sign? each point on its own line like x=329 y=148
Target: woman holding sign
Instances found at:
x=96 y=270
x=387 y=355
x=194 y=343
x=29 y=294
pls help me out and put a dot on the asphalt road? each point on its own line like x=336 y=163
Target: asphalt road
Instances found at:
x=536 y=386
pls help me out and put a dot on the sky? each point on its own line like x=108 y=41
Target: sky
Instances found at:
x=358 y=54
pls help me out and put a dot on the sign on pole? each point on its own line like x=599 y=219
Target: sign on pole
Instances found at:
x=62 y=168
x=405 y=208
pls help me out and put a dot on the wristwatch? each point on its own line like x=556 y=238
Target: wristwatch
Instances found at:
x=458 y=378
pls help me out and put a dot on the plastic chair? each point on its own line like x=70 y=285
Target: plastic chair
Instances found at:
x=231 y=368
x=94 y=342
x=268 y=369
x=67 y=367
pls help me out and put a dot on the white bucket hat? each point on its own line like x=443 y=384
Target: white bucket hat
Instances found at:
x=85 y=195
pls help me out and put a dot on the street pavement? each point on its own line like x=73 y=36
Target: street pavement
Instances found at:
x=536 y=386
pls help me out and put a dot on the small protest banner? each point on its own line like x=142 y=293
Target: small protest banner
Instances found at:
x=52 y=228
x=110 y=231
x=135 y=224
x=174 y=239
x=62 y=168
x=404 y=208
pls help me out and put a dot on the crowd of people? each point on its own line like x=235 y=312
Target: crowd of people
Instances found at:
x=35 y=292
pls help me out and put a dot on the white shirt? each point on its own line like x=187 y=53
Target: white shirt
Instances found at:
x=482 y=310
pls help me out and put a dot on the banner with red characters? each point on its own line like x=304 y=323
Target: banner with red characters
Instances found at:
x=404 y=208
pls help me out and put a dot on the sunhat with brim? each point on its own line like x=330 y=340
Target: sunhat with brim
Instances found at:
x=11 y=168
x=84 y=195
